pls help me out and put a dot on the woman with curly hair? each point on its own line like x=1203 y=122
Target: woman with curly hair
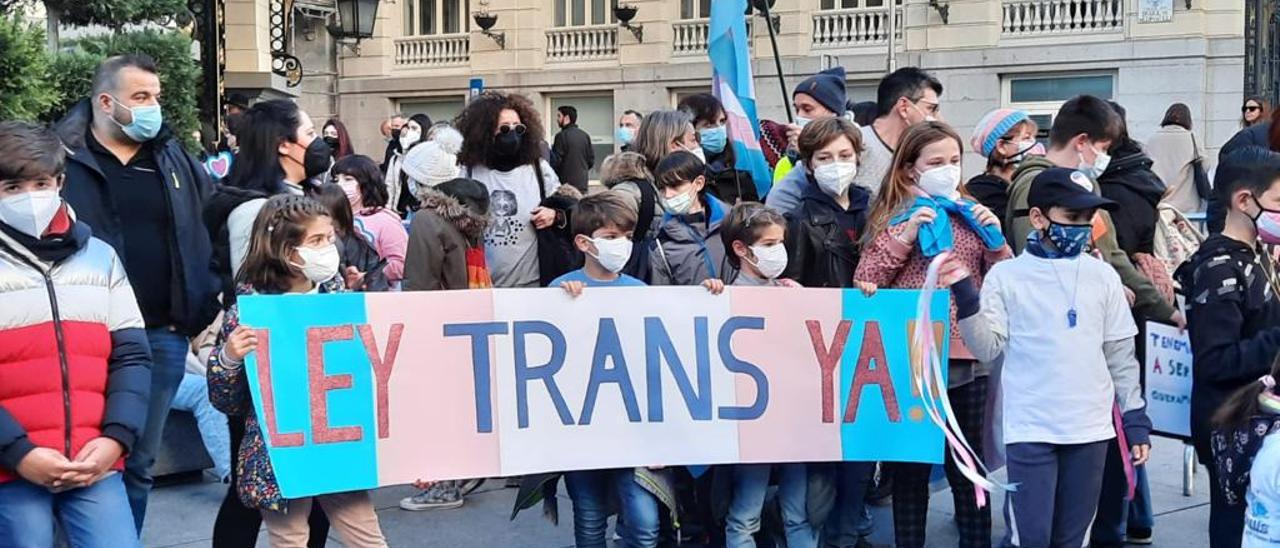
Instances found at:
x=500 y=149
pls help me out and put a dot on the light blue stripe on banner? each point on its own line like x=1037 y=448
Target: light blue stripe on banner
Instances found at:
x=883 y=431
x=315 y=468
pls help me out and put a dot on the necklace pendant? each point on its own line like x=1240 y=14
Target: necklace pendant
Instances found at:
x=1071 y=319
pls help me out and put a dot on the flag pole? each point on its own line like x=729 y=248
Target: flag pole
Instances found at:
x=763 y=6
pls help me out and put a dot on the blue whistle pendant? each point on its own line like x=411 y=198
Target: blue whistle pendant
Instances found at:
x=1071 y=318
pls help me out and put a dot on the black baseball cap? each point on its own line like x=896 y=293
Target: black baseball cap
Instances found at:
x=1068 y=188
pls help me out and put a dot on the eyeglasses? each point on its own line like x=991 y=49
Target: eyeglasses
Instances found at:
x=1250 y=108
x=508 y=128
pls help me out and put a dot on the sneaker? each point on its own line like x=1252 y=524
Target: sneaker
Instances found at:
x=469 y=486
x=435 y=498
x=1138 y=536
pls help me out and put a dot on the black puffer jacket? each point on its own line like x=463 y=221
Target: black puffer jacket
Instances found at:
x=727 y=183
x=991 y=191
x=1130 y=182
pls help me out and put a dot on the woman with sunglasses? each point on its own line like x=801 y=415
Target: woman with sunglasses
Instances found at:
x=1253 y=110
x=502 y=133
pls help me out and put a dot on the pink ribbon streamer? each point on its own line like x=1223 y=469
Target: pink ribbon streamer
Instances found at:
x=1130 y=473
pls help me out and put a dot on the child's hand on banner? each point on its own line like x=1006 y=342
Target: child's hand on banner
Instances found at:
x=1141 y=453
x=713 y=285
x=574 y=289
x=1178 y=320
x=241 y=342
x=867 y=288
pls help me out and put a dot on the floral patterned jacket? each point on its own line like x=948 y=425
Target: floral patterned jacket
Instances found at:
x=229 y=393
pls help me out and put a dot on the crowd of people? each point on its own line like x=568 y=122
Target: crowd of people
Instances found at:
x=122 y=256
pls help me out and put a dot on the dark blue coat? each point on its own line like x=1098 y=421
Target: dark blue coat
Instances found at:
x=194 y=287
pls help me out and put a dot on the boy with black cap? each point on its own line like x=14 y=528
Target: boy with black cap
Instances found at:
x=1060 y=319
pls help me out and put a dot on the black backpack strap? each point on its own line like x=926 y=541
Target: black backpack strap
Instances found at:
x=648 y=204
x=542 y=183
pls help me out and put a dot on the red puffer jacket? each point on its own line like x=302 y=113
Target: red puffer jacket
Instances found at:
x=74 y=360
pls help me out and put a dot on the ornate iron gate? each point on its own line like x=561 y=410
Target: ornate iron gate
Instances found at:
x=1262 y=49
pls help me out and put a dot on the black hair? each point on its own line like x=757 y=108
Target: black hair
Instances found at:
x=1243 y=404
x=569 y=112
x=705 y=107
x=373 y=190
x=1122 y=138
x=746 y=223
x=479 y=121
x=262 y=128
x=333 y=198
x=106 y=79
x=636 y=113
x=1088 y=115
x=29 y=151
x=865 y=113
x=424 y=122
x=909 y=82
x=677 y=168
x=1250 y=168
x=1178 y=114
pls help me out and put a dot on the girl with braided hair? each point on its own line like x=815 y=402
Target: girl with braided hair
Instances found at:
x=292 y=250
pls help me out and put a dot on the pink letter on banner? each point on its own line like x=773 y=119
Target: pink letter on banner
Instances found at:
x=791 y=429
x=432 y=385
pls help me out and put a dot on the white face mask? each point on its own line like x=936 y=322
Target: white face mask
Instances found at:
x=697 y=151
x=319 y=264
x=612 y=253
x=408 y=137
x=802 y=121
x=927 y=117
x=834 y=178
x=941 y=182
x=351 y=188
x=1100 y=162
x=30 y=213
x=680 y=203
x=770 y=260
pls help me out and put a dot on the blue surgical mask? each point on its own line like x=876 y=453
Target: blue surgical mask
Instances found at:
x=146 y=122
x=713 y=139
x=1070 y=239
x=624 y=135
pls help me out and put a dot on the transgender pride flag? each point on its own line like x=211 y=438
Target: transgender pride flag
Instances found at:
x=732 y=83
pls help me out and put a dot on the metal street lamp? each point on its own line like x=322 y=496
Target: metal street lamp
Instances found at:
x=355 y=19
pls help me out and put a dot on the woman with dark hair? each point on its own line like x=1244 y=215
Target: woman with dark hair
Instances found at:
x=362 y=183
x=336 y=136
x=1254 y=111
x=500 y=149
x=361 y=265
x=279 y=153
x=1177 y=156
x=724 y=181
x=399 y=195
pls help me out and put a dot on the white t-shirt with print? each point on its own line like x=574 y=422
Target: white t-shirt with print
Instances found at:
x=874 y=163
x=1262 y=513
x=510 y=243
x=1055 y=384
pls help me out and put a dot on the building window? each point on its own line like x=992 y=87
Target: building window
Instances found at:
x=695 y=9
x=577 y=13
x=436 y=17
x=1042 y=96
x=595 y=116
x=849 y=4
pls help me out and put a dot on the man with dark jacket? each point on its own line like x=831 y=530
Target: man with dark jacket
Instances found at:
x=571 y=153
x=129 y=178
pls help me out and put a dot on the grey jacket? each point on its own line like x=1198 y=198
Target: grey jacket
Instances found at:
x=688 y=249
x=786 y=194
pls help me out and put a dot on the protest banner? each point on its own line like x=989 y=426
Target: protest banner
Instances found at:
x=361 y=390
x=1168 y=375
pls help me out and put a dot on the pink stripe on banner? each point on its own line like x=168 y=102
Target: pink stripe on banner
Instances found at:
x=433 y=387
x=791 y=428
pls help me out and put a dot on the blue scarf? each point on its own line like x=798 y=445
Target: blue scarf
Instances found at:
x=936 y=237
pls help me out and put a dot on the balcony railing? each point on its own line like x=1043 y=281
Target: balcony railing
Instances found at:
x=1045 y=17
x=853 y=27
x=582 y=43
x=433 y=51
x=691 y=37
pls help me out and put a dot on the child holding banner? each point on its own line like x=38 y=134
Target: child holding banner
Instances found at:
x=1232 y=310
x=1061 y=320
x=753 y=235
x=292 y=250
x=689 y=250
x=921 y=212
x=68 y=304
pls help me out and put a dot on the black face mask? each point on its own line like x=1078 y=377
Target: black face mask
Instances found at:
x=332 y=142
x=395 y=134
x=507 y=145
x=317 y=159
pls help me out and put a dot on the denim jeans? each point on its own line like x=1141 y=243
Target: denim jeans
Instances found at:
x=93 y=516
x=641 y=513
x=750 y=484
x=844 y=526
x=168 y=364
x=193 y=397
x=589 y=491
